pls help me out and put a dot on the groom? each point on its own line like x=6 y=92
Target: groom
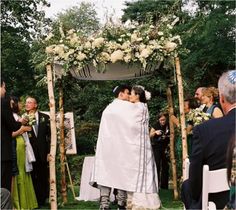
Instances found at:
x=40 y=141
x=122 y=93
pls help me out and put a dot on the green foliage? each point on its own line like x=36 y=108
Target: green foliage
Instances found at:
x=82 y=19
x=142 y=10
x=14 y=63
x=24 y=16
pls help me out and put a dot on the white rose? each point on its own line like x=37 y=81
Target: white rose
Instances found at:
x=145 y=52
x=74 y=40
x=105 y=56
x=50 y=35
x=98 y=42
x=81 y=56
x=170 y=46
x=71 y=31
x=117 y=55
x=127 y=58
x=125 y=45
x=134 y=37
x=49 y=50
x=88 y=45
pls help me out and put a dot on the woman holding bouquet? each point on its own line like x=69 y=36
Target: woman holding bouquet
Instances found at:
x=23 y=191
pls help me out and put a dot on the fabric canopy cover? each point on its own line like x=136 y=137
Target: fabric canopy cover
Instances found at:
x=114 y=71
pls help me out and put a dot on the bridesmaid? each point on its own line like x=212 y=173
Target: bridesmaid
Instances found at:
x=23 y=194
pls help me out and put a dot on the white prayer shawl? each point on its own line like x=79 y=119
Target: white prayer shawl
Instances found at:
x=124 y=158
x=29 y=153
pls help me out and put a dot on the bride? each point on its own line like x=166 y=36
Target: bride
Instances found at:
x=141 y=198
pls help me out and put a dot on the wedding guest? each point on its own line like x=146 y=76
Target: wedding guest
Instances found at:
x=208 y=98
x=198 y=95
x=23 y=195
x=40 y=141
x=160 y=136
x=8 y=125
x=231 y=173
x=210 y=141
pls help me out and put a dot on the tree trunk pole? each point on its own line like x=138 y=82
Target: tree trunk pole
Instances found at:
x=172 y=142
x=62 y=143
x=52 y=155
x=182 y=114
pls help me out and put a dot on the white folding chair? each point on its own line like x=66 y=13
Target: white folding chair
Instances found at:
x=213 y=182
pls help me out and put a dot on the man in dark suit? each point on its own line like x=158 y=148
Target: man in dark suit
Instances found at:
x=8 y=125
x=40 y=141
x=210 y=141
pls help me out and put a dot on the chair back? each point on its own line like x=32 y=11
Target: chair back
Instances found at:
x=213 y=182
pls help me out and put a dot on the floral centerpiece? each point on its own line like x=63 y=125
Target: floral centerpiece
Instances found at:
x=197 y=116
x=130 y=43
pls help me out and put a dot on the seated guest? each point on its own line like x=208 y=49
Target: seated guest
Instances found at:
x=209 y=146
x=231 y=173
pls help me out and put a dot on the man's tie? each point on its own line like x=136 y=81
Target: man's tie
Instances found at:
x=36 y=129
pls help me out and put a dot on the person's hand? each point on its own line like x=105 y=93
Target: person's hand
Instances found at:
x=159 y=132
x=26 y=128
x=23 y=121
x=49 y=157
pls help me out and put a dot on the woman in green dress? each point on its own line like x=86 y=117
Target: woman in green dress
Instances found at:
x=23 y=194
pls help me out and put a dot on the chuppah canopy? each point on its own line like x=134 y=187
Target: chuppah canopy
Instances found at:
x=112 y=53
x=115 y=71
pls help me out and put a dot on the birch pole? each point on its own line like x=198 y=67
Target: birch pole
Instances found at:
x=53 y=147
x=62 y=143
x=172 y=142
x=182 y=114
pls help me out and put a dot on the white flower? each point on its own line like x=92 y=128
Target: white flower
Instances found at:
x=71 y=31
x=105 y=57
x=125 y=45
x=50 y=49
x=116 y=56
x=98 y=42
x=147 y=95
x=134 y=37
x=87 y=45
x=81 y=56
x=127 y=58
x=50 y=35
x=146 y=52
x=170 y=46
x=160 y=33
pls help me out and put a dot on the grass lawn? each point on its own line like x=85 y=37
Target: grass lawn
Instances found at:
x=166 y=197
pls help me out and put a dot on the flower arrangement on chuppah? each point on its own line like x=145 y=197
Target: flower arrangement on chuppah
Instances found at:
x=130 y=43
x=197 y=116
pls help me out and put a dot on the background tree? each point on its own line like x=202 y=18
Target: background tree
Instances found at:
x=82 y=19
x=20 y=21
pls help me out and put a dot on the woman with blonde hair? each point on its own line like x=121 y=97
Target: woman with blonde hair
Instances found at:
x=208 y=98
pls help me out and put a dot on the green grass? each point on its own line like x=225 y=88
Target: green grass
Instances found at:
x=166 y=197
